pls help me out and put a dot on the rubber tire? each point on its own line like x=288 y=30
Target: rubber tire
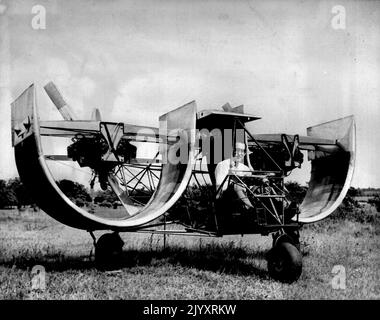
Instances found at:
x=285 y=262
x=288 y=237
x=108 y=250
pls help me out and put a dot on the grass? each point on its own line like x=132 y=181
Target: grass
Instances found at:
x=232 y=267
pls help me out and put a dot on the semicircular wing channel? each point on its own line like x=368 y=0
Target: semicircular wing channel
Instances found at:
x=331 y=174
x=36 y=176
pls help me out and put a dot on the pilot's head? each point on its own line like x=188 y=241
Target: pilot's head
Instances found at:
x=239 y=151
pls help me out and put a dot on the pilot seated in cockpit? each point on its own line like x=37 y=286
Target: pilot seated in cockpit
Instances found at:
x=234 y=165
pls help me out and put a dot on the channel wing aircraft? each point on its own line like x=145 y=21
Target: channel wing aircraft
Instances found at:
x=177 y=190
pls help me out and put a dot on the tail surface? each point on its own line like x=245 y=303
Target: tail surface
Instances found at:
x=23 y=115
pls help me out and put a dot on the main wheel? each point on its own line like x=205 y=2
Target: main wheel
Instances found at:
x=108 y=250
x=291 y=236
x=285 y=262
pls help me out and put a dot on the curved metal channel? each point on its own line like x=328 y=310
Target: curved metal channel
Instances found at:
x=37 y=177
x=331 y=174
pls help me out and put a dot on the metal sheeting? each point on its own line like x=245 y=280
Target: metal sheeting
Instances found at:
x=37 y=177
x=175 y=175
x=331 y=174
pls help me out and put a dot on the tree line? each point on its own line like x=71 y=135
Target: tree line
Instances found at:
x=14 y=194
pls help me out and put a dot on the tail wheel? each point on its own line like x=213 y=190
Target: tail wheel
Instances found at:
x=285 y=262
x=108 y=250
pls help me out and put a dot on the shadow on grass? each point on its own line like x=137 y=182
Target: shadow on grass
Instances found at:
x=219 y=258
x=216 y=258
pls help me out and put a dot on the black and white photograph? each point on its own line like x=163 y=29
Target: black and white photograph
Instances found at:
x=203 y=151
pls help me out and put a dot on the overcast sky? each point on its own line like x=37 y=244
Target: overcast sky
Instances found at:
x=135 y=60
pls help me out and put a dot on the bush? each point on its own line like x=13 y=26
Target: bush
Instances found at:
x=375 y=202
x=116 y=204
x=107 y=195
x=74 y=190
x=296 y=192
x=13 y=193
x=80 y=203
x=106 y=204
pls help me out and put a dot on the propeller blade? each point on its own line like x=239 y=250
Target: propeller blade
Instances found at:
x=56 y=97
x=227 y=107
x=96 y=116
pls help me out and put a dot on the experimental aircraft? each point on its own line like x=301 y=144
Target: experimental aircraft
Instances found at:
x=178 y=191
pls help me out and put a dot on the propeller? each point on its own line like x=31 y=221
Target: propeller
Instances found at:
x=56 y=97
x=95 y=116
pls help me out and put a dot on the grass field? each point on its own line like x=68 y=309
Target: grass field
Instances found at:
x=231 y=267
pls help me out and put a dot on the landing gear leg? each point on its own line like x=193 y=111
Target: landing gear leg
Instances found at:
x=108 y=251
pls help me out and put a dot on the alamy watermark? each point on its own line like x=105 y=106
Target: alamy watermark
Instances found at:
x=38 y=278
x=338 y=22
x=39 y=19
x=338 y=281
